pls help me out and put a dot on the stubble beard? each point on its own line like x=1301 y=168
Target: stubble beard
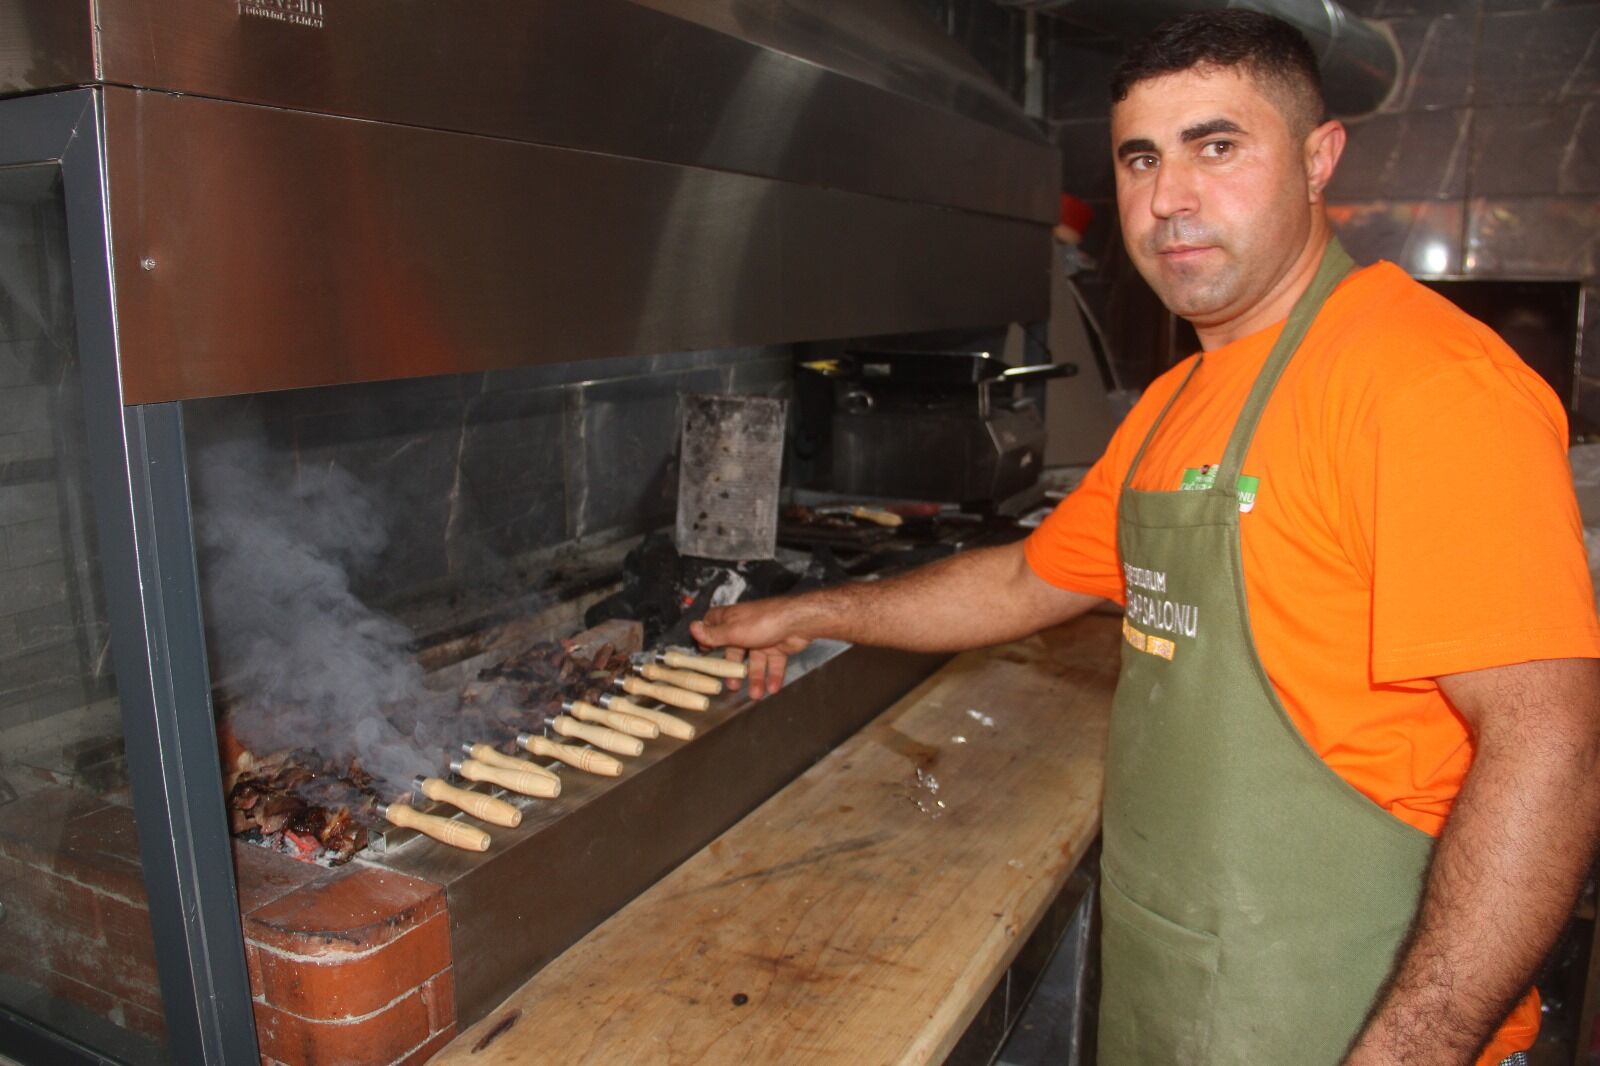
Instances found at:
x=1191 y=290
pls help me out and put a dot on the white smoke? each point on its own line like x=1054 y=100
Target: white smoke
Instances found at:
x=304 y=662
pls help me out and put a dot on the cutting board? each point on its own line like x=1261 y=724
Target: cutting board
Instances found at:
x=862 y=914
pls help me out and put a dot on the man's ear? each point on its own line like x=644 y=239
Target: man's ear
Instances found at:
x=1324 y=146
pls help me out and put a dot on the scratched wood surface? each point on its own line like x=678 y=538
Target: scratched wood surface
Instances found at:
x=862 y=914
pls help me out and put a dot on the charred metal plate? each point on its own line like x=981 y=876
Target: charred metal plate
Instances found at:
x=731 y=457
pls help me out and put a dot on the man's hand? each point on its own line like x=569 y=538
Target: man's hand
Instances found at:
x=1507 y=869
x=970 y=600
x=770 y=630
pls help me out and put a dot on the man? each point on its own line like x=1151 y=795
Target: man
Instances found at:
x=1353 y=777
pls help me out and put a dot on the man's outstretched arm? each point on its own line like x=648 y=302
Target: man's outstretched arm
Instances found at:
x=1507 y=869
x=970 y=600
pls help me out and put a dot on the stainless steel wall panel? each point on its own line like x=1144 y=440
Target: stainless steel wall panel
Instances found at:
x=260 y=249
x=45 y=44
x=727 y=84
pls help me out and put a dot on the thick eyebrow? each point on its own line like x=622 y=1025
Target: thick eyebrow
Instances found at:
x=1206 y=129
x=1136 y=146
x=1142 y=145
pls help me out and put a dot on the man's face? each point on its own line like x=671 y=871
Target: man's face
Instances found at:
x=1212 y=190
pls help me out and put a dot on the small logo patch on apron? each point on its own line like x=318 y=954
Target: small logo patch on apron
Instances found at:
x=1205 y=477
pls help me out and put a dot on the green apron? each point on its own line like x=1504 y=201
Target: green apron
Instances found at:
x=1252 y=900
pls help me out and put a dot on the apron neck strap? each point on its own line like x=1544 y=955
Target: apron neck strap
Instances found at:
x=1336 y=263
x=1334 y=266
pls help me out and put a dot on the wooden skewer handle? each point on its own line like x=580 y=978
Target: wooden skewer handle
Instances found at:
x=673 y=697
x=516 y=780
x=484 y=753
x=685 y=679
x=633 y=725
x=444 y=830
x=670 y=724
x=492 y=810
x=585 y=759
x=873 y=514
x=705 y=664
x=598 y=735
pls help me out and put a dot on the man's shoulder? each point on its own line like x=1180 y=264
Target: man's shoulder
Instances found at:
x=1386 y=325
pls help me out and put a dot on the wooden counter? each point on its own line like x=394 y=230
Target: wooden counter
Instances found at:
x=863 y=913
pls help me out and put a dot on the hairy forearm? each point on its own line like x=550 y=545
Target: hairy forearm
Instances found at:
x=970 y=600
x=1500 y=887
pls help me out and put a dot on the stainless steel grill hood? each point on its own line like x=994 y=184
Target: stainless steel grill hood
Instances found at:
x=309 y=192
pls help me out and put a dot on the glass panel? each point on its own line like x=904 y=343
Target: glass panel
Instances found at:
x=76 y=952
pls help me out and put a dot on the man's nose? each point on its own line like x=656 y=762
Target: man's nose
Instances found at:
x=1175 y=192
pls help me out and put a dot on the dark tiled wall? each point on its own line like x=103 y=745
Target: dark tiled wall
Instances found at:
x=1485 y=162
x=475 y=472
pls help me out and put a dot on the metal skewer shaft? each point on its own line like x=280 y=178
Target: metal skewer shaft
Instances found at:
x=598 y=735
x=486 y=754
x=586 y=759
x=670 y=725
x=491 y=809
x=684 y=679
x=529 y=784
x=672 y=697
x=444 y=830
x=632 y=725
x=705 y=664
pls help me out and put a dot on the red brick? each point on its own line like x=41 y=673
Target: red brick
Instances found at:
x=356 y=910
x=337 y=985
x=38 y=902
x=150 y=1023
x=440 y=996
x=436 y=1043
x=31 y=831
x=101 y=849
x=131 y=950
x=59 y=925
x=252 y=964
x=264 y=875
x=378 y=1039
x=91 y=997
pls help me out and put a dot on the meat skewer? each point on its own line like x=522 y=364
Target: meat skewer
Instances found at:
x=684 y=679
x=669 y=724
x=672 y=697
x=598 y=735
x=632 y=724
x=586 y=759
x=444 y=830
x=494 y=757
x=704 y=664
x=488 y=808
x=523 y=781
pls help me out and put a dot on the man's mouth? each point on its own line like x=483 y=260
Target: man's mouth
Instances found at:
x=1179 y=253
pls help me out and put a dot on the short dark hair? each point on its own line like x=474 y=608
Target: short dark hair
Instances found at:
x=1268 y=48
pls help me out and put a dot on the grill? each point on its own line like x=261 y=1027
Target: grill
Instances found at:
x=350 y=339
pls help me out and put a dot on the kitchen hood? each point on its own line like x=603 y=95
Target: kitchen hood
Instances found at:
x=312 y=192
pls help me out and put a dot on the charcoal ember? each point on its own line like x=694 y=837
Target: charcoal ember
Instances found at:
x=335 y=828
x=303 y=794
x=344 y=837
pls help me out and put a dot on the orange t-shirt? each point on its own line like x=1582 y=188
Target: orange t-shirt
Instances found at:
x=1414 y=517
